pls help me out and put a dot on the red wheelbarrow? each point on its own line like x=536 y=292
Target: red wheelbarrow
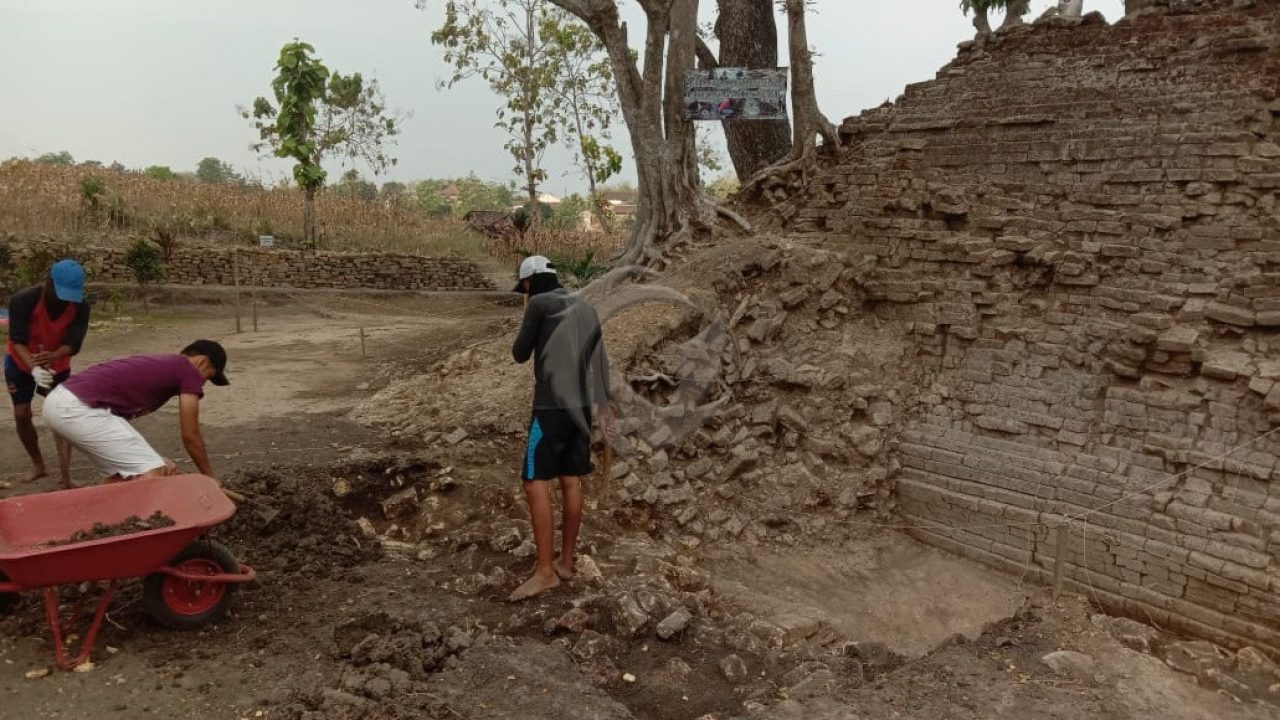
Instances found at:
x=189 y=581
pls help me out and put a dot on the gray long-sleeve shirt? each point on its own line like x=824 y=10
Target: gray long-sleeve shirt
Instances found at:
x=562 y=334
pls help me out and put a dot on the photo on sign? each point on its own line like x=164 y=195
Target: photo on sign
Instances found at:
x=736 y=94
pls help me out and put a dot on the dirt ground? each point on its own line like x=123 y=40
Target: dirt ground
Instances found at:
x=340 y=625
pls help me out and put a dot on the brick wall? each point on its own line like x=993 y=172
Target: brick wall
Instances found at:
x=193 y=265
x=1077 y=224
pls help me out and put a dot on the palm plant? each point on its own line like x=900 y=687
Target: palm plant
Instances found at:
x=1014 y=10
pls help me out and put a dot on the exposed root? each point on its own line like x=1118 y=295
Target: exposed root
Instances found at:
x=728 y=214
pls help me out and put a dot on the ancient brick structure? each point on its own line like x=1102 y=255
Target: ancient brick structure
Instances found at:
x=1077 y=224
x=192 y=265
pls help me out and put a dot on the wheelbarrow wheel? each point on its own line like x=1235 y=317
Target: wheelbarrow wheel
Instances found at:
x=187 y=605
x=8 y=601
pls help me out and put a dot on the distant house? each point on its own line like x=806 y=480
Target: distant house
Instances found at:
x=622 y=203
x=546 y=199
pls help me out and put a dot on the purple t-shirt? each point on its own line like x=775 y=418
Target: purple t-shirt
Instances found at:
x=134 y=386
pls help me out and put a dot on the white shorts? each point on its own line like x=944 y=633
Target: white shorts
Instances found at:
x=113 y=445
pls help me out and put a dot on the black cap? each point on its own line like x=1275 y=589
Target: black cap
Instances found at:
x=217 y=356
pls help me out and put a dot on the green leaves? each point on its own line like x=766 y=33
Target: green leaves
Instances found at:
x=145 y=260
x=547 y=68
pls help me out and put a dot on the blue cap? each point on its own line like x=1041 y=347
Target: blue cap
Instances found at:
x=68 y=280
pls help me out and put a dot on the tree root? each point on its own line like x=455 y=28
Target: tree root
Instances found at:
x=723 y=211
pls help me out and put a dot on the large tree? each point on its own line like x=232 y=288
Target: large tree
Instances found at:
x=318 y=115
x=584 y=82
x=747 y=31
x=503 y=42
x=651 y=98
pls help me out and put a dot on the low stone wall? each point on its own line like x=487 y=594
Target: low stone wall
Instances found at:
x=197 y=265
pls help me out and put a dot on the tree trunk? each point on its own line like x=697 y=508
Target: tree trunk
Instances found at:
x=667 y=177
x=1013 y=16
x=530 y=172
x=980 y=21
x=309 y=217
x=748 y=35
x=809 y=120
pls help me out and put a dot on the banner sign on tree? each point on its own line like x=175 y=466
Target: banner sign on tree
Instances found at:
x=736 y=94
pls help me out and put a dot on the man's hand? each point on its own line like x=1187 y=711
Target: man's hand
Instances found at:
x=45 y=359
x=608 y=423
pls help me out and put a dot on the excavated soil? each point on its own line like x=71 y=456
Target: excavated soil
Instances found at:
x=128 y=526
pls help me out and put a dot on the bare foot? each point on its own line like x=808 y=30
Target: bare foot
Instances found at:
x=534 y=586
x=563 y=571
x=67 y=484
x=37 y=472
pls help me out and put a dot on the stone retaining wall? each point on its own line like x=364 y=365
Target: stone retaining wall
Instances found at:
x=194 y=265
x=1077 y=225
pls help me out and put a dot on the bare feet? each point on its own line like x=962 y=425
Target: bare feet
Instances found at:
x=563 y=571
x=37 y=472
x=535 y=586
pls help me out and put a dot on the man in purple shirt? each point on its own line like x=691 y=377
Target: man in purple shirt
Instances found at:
x=93 y=409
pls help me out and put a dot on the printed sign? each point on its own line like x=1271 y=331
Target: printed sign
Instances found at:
x=266 y=241
x=736 y=94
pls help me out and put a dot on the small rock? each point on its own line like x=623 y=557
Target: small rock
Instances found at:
x=84 y=667
x=628 y=678
x=628 y=617
x=37 y=673
x=1069 y=662
x=341 y=488
x=457 y=436
x=587 y=568
x=1130 y=633
x=366 y=528
x=574 y=621
x=400 y=503
x=674 y=624
x=1251 y=660
x=733 y=668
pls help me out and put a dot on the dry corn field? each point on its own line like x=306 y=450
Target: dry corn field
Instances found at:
x=96 y=205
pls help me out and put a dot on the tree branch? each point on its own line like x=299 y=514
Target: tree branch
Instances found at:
x=706 y=59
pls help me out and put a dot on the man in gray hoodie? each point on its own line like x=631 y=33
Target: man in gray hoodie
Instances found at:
x=562 y=334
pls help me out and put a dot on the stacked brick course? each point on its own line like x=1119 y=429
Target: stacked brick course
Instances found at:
x=1077 y=225
x=191 y=265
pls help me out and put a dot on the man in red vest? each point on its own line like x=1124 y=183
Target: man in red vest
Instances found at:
x=47 y=325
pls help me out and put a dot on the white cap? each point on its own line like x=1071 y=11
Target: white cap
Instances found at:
x=533 y=265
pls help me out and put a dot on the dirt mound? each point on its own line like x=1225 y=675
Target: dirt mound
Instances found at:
x=306 y=519
x=386 y=661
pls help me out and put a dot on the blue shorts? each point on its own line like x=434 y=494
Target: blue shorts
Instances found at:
x=22 y=387
x=559 y=445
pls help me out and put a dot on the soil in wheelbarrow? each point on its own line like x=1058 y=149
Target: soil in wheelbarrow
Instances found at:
x=128 y=526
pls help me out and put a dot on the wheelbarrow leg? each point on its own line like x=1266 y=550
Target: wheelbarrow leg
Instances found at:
x=55 y=624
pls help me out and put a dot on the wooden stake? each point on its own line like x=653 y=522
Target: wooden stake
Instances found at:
x=1060 y=544
x=235 y=271
x=253 y=297
x=362 y=349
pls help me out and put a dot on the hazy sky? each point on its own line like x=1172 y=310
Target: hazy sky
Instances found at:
x=156 y=82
